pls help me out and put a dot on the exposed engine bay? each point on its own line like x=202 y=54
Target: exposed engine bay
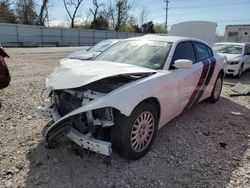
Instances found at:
x=70 y=99
x=94 y=124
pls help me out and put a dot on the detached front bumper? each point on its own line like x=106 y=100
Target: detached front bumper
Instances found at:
x=84 y=140
x=87 y=142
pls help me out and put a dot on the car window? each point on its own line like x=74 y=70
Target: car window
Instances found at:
x=247 y=49
x=103 y=45
x=149 y=54
x=202 y=50
x=184 y=50
x=228 y=48
x=210 y=51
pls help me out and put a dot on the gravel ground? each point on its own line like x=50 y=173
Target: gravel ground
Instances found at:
x=206 y=146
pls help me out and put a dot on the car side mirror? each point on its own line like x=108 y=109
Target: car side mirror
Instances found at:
x=182 y=64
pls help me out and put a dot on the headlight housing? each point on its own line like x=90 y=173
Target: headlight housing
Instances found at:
x=233 y=62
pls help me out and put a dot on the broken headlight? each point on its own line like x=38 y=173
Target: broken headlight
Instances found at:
x=48 y=97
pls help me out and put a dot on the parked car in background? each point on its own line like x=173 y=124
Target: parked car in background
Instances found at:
x=4 y=71
x=94 y=50
x=237 y=55
x=128 y=92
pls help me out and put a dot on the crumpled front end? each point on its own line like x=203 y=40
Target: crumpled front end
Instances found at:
x=77 y=115
x=86 y=128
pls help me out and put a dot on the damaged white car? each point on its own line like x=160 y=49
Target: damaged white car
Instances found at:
x=120 y=100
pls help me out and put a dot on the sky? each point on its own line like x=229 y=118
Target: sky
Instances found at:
x=223 y=12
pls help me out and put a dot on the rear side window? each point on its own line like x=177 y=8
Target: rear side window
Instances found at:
x=210 y=51
x=203 y=51
x=184 y=50
x=247 y=49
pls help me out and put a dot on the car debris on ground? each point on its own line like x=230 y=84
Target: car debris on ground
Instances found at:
x=240 y=89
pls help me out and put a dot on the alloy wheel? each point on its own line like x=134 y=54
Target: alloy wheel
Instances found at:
x=142 y=131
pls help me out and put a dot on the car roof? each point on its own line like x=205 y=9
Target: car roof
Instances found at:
x=165 y=38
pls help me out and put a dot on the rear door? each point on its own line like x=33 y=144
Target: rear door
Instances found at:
x=204 y=57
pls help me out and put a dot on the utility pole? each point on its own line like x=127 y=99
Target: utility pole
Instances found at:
x=166 y=21
x=119 y=7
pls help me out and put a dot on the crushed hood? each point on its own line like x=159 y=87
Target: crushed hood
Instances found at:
x=83 y=55
x=77 y=73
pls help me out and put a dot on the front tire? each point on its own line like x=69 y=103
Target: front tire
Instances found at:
x=132 y=137
x=215 y=95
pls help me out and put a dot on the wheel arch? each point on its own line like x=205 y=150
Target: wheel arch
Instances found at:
x=153 y=101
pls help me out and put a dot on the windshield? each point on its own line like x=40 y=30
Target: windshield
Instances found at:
x=228 y=48
x=149 y=54
x=103 y=45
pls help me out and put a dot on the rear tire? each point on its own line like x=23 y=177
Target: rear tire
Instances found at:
x=215 y=95
x=132 y=137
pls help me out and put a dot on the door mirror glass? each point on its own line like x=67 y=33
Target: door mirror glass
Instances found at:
x=182 y=64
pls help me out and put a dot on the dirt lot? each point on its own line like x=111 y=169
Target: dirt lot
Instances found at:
x=207 y=146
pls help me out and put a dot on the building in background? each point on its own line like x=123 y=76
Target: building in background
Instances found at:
x=237 y=33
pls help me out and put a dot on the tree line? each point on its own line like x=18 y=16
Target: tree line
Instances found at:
x=111 y=15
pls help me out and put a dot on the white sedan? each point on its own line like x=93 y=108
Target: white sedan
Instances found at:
x=93 y=51
x=237 y=55
x=120 y=100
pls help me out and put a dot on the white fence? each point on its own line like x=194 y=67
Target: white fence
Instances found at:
x=28 y=35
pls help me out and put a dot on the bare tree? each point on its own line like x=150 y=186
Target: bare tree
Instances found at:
x=118 y=13
x=143 y=15
x=6 y=2
x=132 y=21
x=25 y=11
x=109 y=13
x=75 y=4
x=43 y=13
x=94 y=11
x=6 y=14
x=122 y=7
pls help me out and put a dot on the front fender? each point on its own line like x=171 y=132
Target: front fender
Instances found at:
x=125 y=98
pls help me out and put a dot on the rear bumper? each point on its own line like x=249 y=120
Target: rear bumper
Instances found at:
x=84 y=140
